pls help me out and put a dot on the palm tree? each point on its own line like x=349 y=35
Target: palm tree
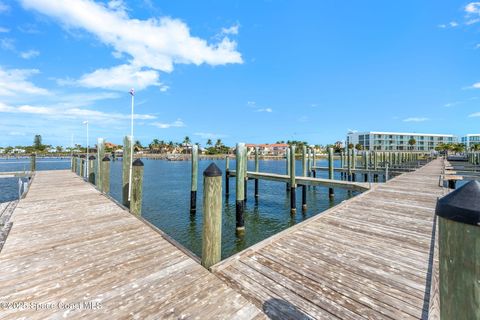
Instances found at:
x=359 y=147
x=209 y=142
x=218 y=143
x=186 y=140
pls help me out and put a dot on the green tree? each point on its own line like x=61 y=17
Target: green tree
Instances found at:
x=412 y=142
x=37 y=142
x=209 y=142
x=359 y=147
x=186 y=140
x=218 y=143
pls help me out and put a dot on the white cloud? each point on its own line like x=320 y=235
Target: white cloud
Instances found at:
x=155 y=43
x=476 y=85
x=473 y=7
x=121 y=78
x=4 y=30
x=209 y=135
x=29 y=54
x=4 y=7
x=476 y=114
x=415 y=119
x=232 y=30
x=251 y=103
x=264 y=110
x=175 y=124
x=71 y=113
x=7 y=44
x=13 y=82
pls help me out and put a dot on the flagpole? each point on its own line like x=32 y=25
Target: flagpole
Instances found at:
x=132 y=93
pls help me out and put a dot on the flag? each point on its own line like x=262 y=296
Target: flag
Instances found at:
x=132 y=92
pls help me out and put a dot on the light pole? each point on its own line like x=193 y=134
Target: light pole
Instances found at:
x=132 y=93
x=86 y=159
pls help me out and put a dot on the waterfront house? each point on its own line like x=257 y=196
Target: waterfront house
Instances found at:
x=470 y=140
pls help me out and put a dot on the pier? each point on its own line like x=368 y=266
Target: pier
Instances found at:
x=372 y=256
x=73 y=251
x=74 y=248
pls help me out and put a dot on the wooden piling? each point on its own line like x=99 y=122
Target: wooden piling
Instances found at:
x=227 y=175
x=331 y=192
x=287 y=158
x=212 y=216
x=91 y=169
x=193 y=188
x=33 y=162
x=82 y=166
x=240 y=187
x=105 y=185
x=245 y=176
x=137 y=188
x=349 y=167
x=293 y=185
x=257 y=169
x=100 y=156
x=127 y=141
x=458 y=216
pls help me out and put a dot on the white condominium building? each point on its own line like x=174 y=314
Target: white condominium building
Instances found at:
x=398 y=141
x=470 y=140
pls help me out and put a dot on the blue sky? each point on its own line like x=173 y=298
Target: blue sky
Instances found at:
x=241 y=71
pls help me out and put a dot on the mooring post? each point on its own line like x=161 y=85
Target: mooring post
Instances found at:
x=240 y=186
x=137 y=186
x=349 y=167
x=126 y=157
x=212 y=216
x=74 y=163
x=304 y=173
x=245 y=175
x=227 y=175
x=105 y=174
x=193 y=188
x=288 y=166
x=366 y=157
x=386 y=171
x=33 y=162
x=82 y=165
x=314 y=163
x=459 y=238
x=100 y=156
x=354 y=163
x=330 y=171
x=91 y=169
x=257 y=169
x=293 y=185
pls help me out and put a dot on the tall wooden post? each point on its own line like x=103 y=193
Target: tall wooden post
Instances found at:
x=288 y=166
x=459 y=253
x=105 y=175
x=82 y=165
x=365 y=158
x=257 y=169
x=349 y=167
x=137 y=187
x=193 y=188
x=91 y=169
x=304 y=173
x=100 y=156
x=227 y=175
x=245 y=175
x=314 y=163
x=293 y=185
x=127 y=142
x=74 y=163
x=33 y=162
x=331 y=192
x=212 y=216
x=240 y=187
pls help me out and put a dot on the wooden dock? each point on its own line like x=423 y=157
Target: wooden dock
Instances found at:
x=72 y=252
x=371 y=257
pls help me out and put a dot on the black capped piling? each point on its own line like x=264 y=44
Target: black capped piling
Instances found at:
x=240 y=187
x=137 y=188
x=105 y=185
x=194 y=180
x=91 y=169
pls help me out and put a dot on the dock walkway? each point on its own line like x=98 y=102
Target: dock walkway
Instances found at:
x=371 y=257
x=73 y=252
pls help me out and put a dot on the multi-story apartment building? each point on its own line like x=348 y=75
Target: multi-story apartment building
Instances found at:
x=470 y=140
x=398 y=141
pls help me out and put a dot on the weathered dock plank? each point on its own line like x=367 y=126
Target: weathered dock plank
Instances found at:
x=371 y=257
x=69 y=245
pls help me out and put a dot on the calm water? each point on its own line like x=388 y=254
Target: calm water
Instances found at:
x=166 y=200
